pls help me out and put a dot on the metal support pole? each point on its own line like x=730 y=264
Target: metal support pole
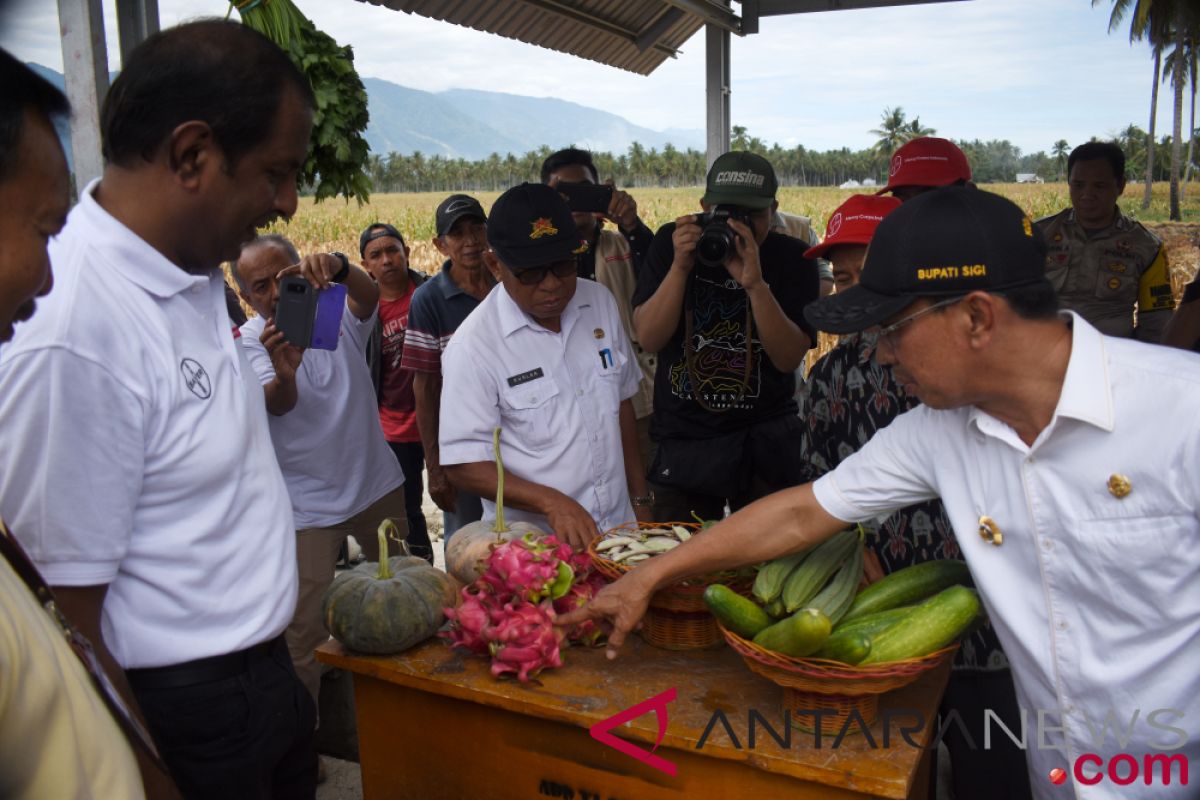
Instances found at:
x=136 y=20
x=716 y=72
x=85 y=68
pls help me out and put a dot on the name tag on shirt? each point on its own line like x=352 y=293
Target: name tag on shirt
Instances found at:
x=525 y=377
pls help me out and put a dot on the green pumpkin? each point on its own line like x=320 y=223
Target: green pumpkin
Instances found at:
x=387 y=607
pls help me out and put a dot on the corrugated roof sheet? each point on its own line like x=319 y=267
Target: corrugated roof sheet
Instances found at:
x=599 y=30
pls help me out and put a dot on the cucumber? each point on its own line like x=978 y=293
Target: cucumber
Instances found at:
x=849 y=647
x=799 y=635
x=871 y=624
x=775 y=608
x=930 y=626
x=909 y=585
x=737 y=613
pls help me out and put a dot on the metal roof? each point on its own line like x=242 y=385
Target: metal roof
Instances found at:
x=634 y=35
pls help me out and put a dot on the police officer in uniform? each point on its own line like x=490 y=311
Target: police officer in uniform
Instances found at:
x=1101 y=262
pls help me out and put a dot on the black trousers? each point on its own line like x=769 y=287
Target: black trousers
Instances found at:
x=411 y=456
x=999 y=773
x=247 y=735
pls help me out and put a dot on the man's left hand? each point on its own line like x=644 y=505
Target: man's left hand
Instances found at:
x=643 y=513
x=744 y=267
x=622 y=209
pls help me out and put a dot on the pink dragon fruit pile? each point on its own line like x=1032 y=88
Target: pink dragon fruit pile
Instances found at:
x=509 y=612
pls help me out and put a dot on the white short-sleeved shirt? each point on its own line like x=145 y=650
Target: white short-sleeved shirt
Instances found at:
x=335 y=459
x=134 y=451
x=1096 y=598
x=556 y=397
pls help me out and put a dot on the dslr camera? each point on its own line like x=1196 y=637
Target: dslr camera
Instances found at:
x=716 y=245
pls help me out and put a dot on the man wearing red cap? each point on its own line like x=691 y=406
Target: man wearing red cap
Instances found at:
x=851 y=397
x=925 y=163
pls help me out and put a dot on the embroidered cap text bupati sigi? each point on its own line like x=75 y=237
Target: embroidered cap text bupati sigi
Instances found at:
x=943 y=243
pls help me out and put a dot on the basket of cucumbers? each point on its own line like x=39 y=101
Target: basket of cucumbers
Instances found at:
x=833 y=648
x=678 y=618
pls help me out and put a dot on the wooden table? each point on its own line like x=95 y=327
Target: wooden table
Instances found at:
x=433 y=723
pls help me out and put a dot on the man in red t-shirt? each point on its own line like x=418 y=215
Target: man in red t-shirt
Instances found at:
x=385 y=256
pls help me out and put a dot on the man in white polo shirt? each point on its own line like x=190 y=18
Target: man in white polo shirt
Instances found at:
x=340 y=473
x=137 y=465
x=546 y=359
x=1066 y=461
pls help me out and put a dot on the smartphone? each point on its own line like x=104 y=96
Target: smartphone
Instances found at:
x=307 y=317
x=591 y=197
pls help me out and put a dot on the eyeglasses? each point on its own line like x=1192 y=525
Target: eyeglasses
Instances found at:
x=887 y=331
x=535 y=275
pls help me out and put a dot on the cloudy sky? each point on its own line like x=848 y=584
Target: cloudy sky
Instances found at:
x=1031 y=71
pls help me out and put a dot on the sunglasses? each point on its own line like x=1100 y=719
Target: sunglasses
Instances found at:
x=885 y=333
x=535 y=275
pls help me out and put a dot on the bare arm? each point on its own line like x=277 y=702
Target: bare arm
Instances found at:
x=568 y=520
x=427 y=389
x=82 y=605
x=782 y=339
x=776 y=525
x=655 y=320
x=280 y=391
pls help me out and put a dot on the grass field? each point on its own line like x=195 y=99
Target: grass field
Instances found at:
x=335 y=225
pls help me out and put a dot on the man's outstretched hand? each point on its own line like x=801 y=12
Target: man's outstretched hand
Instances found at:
x=620 y=606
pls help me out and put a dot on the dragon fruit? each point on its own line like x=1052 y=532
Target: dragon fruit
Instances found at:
x=509 y=612
x=526 y=641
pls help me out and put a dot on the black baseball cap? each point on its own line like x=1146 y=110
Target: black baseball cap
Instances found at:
x=944 y=243
x=454 y=208
x=741 y=179
x=531 y=226
x=376 y=230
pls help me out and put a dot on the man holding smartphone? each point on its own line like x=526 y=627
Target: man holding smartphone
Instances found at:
x=612 y=258
x=341 y=476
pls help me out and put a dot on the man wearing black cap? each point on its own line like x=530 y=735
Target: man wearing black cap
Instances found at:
x=545 y=359
x=438 y=308
x=1066 y=462
x=385 y=256
x=722 y=305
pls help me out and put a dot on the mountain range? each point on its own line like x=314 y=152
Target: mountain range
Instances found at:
x=473 y=124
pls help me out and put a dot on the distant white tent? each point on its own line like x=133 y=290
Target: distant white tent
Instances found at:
x=869 y=182
x=850 y=184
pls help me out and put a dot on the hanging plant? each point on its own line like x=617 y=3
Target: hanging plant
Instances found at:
x=338 y=151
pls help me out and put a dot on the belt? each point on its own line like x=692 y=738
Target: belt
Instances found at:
x=202 y=670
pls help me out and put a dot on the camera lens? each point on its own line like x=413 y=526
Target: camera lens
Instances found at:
x=715 y=245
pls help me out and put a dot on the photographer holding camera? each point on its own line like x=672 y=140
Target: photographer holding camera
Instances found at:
x=720 y=298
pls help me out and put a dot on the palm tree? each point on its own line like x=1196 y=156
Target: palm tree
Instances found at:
x=892 y=131
x=1060 y=152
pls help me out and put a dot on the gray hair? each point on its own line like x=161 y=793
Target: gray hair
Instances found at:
x=277 y=240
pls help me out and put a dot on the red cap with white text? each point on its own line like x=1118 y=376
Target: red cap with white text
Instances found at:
x=854 y=222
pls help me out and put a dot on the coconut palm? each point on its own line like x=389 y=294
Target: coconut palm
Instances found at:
x=1060 y=152
x=892 y=131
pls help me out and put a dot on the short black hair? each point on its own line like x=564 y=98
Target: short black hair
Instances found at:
x=1037 y=301
x=218 y=72
x=566 y=158
x=24 y=90
x=1092 y=151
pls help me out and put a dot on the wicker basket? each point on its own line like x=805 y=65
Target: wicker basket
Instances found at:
x=677 y=618
x=814 y=684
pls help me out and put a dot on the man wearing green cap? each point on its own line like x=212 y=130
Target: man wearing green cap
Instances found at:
x=720 y=298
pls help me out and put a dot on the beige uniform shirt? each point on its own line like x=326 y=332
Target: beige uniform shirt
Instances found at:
x=1104 y=275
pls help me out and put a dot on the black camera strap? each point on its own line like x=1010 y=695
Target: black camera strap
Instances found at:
x=689 y=349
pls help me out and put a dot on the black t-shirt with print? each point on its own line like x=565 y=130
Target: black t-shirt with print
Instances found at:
x=719 y=341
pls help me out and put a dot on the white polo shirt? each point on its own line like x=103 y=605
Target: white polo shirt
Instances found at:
x=556 y=396
x=331 y=448
x=1096 y=598
x=134 y=451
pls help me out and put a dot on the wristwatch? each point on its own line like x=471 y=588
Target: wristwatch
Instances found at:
x=341 y=275
x=644 y=501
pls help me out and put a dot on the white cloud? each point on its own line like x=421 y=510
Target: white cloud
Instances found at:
x=1031 y=71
